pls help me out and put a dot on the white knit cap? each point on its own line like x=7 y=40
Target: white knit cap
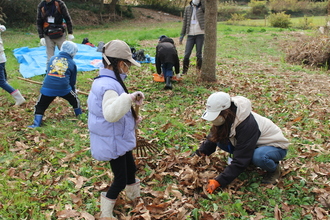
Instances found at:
x=69 y=47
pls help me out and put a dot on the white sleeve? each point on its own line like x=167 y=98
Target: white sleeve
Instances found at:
x=114 y=107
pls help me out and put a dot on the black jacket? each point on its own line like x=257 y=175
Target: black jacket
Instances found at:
x=247 y=135
x=249 y=131
x=166 y=53
x=50 y=9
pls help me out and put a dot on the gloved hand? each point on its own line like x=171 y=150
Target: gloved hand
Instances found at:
x=138 y=121
x=213 y=184
x=42 y=42
x=2 y=28
x=137 y=97
x=70 y=37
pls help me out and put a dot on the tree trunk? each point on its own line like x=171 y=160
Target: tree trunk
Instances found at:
x=112 y=6
x=210 y=41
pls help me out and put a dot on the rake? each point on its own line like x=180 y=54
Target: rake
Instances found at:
x=143 y=147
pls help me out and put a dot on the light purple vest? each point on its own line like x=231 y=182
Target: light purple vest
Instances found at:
x=108 y=140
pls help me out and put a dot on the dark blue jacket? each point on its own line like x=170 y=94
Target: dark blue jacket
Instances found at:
x=61 y=75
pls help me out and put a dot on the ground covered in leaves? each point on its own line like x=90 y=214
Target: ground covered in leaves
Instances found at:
x=48 y=173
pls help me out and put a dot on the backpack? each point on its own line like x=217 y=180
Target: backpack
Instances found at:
x=53 y=31
x=140 y=55
x=100 y=47
x=133 y=51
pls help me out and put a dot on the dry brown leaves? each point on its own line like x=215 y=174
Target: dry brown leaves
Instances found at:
x=313 y=51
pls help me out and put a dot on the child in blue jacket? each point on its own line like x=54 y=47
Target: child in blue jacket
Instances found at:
x=60 y=81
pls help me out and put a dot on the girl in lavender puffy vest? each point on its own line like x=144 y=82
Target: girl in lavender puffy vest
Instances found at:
x=112 y=121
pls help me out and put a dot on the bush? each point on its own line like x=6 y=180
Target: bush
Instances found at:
x=21 y=13
x=2 y=17
x=236 y=18
x=281 y=20
x=227 y=9
x=259 y=9
x=305 y=23
x=298 y=8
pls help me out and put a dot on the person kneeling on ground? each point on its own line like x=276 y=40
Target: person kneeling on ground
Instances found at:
x=167 y=58
x=60 y=81
x=245 y=134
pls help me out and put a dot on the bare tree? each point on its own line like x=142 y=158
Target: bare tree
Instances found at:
x=210 y=42
x=113 y=6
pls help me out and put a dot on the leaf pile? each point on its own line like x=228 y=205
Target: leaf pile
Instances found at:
x=313 y=51
x=48 y=172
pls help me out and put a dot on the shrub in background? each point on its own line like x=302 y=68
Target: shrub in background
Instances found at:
x=236 y=18
x=298 y=8
x=228 y=8
x=2 y=17
x=280 y=20
x=21 y=13
x=305 y=23
x=259 y=9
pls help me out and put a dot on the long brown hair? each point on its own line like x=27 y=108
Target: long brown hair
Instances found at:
x=221 y=133
x=114 y=63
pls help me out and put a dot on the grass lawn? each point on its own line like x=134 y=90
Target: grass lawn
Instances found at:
x=48 y=172
x=312 y=22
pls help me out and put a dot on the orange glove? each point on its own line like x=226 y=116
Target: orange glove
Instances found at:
x=213 y=184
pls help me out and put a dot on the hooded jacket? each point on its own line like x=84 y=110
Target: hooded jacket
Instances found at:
x=248 y=131
x=59 y=11
x=61 y=75
x=112 y=128
x=166 y=53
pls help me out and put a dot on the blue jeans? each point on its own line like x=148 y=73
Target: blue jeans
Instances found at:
x=3 y=80
x=266 y=157
x=167 y=69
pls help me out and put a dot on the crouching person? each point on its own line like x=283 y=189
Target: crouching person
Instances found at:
x=249 y=137
x=60 y=81
x=112 y=121
x=167 y=58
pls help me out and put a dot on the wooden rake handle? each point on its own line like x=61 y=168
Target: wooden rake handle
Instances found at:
x=40 y=83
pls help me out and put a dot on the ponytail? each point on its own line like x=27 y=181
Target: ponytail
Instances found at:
x=114 y=64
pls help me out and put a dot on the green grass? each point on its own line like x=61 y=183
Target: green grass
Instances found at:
x=314 y=22
x=41 y=167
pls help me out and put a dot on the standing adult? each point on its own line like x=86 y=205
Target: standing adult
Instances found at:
x=60 y=81
x=167 y=58
x=53 y=20
x=15 y=93
x=248 y=136
x=193 y=26
x=112 y=121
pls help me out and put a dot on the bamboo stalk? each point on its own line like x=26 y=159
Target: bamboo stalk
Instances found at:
x=40 y=83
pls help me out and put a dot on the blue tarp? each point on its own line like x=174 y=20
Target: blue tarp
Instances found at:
x=33 y=60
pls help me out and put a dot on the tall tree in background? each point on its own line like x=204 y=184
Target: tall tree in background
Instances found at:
x=210 y=41
x=2 y=17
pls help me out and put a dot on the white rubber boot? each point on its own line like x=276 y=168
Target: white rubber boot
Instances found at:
x=18 y=97
x=107 y=206
x=133 y=191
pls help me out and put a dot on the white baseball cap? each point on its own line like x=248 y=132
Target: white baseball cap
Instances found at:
x=118 y=49
x=215 y=104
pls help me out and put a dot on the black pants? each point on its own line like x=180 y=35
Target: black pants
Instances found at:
x=44 y=102
x=124 y=170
